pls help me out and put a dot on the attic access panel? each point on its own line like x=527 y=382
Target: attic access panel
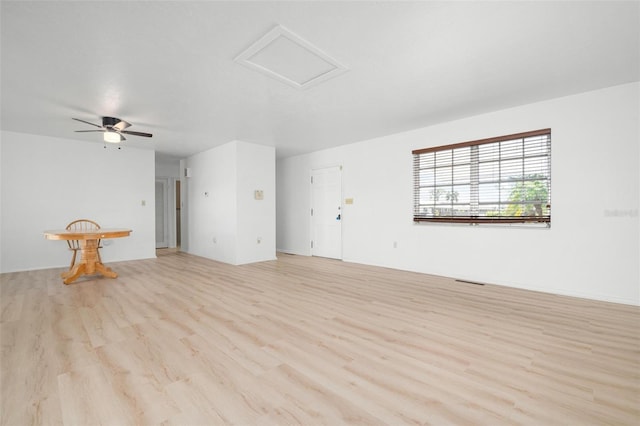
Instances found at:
x=287 y=57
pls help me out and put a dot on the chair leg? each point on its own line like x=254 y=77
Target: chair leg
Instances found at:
x=73 y=259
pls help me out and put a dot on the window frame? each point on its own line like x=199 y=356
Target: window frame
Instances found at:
x=474 y=181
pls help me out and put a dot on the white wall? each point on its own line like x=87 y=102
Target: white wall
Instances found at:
x=212 y=207
x=256 y=218
x=293 y=203
x=224 y=219
x=168 y=167
x=591 y=249
x=48 y=182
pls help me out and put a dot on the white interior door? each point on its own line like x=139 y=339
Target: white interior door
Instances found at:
x=162 y=213
x=326 y=212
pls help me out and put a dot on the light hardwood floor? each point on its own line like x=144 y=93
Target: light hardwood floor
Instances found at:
x=181 y=340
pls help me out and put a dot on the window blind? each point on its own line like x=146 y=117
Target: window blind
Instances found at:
x=505 y=179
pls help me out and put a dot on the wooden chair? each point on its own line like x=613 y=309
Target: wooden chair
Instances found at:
x=74 y=245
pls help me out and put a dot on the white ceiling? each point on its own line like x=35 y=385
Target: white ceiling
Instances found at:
x=168 y=67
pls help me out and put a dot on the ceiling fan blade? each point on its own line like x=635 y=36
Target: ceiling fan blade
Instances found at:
x=128 y=132
x=82 y=121
x=114 y=123
x=121 y=125
x=86 y=131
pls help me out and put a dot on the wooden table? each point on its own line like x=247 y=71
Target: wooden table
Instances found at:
x=90 y=262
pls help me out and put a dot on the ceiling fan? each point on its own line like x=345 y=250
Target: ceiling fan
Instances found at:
x=113 y=129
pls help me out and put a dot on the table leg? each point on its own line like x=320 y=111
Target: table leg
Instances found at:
x=106 y=271
x=89 y=263
x=89 y=250
x=73 y=274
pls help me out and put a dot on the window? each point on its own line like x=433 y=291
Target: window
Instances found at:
x=505 y=179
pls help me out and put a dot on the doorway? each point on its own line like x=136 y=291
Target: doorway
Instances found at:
x=326 y=212
x=178 y=215
x=162 y=213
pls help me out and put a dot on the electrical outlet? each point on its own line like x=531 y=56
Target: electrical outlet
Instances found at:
x=259 y=240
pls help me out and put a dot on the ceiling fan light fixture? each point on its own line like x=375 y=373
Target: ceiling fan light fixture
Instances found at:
x=112 y=137
x=112 y=129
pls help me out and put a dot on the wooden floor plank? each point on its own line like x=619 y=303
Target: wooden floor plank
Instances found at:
x=305 y=340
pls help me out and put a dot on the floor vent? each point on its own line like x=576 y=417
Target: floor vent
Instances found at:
x=470 y=282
